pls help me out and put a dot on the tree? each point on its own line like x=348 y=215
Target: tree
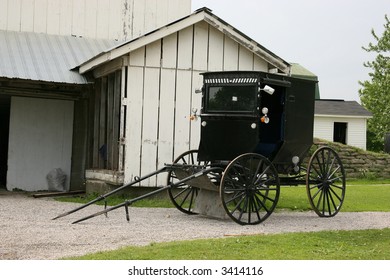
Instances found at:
x=375 y=94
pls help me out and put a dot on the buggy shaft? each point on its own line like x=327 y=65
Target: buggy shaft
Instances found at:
x=104 y=196
x=131 y=201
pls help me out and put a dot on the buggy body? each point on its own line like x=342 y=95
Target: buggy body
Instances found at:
x=256 y=112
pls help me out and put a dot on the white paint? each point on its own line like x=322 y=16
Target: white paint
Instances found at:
x=103 y=19
x=356 y=129
x=161 y=94
x=40 y=139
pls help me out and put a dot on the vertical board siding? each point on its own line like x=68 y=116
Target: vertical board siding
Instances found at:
x=40 y=16
x=166 y=121
x=91 y=15
x=245 y=59
x=13 y=16
x=161 y=83
x=230 y=56
x=259 y=64
x=3 y=15
x=103 y=19
x=65 y=18
x=53 y=16
x=169 y=50
x=183 y=107
x=153 y=54
x=27 y=18
x=184 y=56
x=201 y=35
x=216 y=50
x=135 y=84
x=150 y=123
x=356 y=129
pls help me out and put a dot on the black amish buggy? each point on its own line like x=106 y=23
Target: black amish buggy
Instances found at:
x=256 y=130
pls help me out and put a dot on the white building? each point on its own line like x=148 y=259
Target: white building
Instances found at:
x=155 y=77
x=44 y=103
x=341 y=121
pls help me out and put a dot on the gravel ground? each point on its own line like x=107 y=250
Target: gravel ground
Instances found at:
x=27 y=231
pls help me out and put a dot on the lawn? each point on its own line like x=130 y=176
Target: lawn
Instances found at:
x=360 y=196
x=333 y=245
x=325 y=245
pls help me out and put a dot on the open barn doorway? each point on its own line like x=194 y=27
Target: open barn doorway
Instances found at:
x=5 y=104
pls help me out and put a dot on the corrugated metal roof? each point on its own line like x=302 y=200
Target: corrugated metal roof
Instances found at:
x=48 y=58
x=331 y=107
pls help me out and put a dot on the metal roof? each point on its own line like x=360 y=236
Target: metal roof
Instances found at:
x=48 y=58
x=332 y=107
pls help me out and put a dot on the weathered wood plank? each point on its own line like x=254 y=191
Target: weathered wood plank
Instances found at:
x=166 y=120
x=185 y=48
x=260 y=64
x=201 y=36
x=150 y=124
x=135 y=84
x=245 y=59
x=182 y=113
x=216 y=42
x=169 y=51
x=230 y=59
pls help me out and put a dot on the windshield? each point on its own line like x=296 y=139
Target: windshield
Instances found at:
x=232 y=98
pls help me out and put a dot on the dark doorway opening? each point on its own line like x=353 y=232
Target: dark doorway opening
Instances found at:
x=5 y=105
x=340 y=132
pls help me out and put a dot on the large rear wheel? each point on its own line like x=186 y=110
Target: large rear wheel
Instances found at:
x=249 y=189
x=325 y=182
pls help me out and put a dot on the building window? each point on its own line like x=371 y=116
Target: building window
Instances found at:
x=105 y=122
x=340 y=132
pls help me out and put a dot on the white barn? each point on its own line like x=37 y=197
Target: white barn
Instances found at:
x=107 y=98
x=43 y=102
x=341 y=121
x=155 y=77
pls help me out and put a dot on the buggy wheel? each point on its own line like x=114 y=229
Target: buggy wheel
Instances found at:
x=325 y=182
x=249 y=189
x=184 y=196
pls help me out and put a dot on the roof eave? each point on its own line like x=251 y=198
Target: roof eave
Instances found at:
x=198 y=16
x=343 y=116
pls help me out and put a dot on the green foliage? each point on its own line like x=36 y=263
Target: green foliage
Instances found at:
x=325 y=245
x=375 y=94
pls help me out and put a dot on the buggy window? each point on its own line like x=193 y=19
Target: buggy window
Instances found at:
x=232 y=98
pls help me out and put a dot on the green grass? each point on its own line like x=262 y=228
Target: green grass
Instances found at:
x=360 y=196
x=325 y=245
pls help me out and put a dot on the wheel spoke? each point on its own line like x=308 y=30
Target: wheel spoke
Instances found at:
x=324 y=169
x=245 y=189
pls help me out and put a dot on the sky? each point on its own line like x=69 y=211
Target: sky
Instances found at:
x=324 y=36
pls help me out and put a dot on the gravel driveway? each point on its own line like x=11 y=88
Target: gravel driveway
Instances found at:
x=27 y=231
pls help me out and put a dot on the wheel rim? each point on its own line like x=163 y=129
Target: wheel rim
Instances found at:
x=249 y=189
x=325 y=182
x=184 y=196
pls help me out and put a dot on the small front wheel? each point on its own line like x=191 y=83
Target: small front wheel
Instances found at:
x=184 y=196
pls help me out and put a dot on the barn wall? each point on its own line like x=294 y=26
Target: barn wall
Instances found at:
x=162 y=78
x=356 y=129
x=40 y=139
x=104 y=19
